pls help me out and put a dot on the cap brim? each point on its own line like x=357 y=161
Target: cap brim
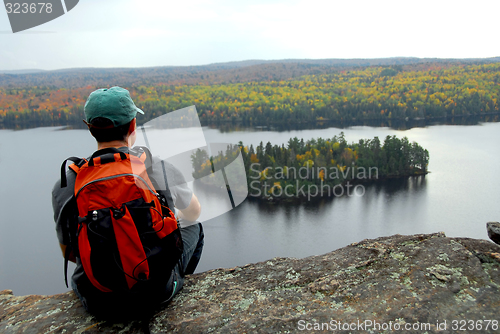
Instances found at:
x=139 y=111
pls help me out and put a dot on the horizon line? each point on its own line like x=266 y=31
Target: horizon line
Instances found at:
x=37 y=70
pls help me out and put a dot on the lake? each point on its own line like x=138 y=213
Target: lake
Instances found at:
x=458 y=197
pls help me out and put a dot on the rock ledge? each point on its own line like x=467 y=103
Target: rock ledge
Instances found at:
x=426 y=279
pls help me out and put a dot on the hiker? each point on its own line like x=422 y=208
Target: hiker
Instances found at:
x=157 y=273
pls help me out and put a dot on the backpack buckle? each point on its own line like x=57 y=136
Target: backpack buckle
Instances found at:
x=118 y=213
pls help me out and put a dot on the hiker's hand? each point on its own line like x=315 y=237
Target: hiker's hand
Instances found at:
x=192 y=212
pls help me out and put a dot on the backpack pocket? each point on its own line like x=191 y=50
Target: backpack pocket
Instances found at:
x=111 y=249
x=132 y=256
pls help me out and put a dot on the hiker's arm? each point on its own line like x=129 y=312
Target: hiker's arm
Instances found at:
x=192 y=212
x=71 y=256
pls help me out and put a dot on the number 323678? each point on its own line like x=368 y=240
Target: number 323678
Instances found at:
x=471 y=325
x=24 y=8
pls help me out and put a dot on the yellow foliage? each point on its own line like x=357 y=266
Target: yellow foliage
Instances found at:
x=263 y=174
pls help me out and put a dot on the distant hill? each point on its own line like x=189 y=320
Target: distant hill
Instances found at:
x=340 y=62
x=218 y=73
x=29 y=71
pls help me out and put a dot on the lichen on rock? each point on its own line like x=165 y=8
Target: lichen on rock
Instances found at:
x=398 y=279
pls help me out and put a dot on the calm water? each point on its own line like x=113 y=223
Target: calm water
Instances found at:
x=458 y=197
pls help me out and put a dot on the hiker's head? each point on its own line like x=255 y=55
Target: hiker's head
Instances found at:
x=110 y=115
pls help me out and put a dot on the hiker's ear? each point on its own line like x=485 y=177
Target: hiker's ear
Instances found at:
x=132 y=135
x=88 y=125
x=132 y=127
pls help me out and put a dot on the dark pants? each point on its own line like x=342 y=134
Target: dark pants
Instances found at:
x=193 y=240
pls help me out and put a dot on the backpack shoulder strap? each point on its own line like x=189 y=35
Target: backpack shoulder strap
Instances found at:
x=66 y=260
x=149 y=169
x=78 y=162
x=139 y=151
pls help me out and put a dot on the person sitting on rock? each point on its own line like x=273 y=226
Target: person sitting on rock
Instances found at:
x=110 y=115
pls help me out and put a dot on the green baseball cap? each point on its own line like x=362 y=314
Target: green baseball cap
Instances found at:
x=112 y=103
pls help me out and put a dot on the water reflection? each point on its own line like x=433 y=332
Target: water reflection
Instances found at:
x=259 y=230
x=397 y=185
x=374 y=191
x=397 y=124
x=226 y=127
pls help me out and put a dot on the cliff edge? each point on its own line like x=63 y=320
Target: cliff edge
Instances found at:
x=398 y=283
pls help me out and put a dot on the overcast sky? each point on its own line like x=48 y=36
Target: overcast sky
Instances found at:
x=137 y=33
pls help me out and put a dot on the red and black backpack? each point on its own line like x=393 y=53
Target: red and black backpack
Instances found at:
x=127 y=237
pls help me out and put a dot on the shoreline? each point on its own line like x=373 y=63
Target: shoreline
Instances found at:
x=314 y=123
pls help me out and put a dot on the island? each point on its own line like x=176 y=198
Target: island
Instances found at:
x=317 y=167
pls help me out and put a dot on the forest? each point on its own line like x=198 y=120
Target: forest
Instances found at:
x=218 y=73
x=324 y=165
x=396 y=92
